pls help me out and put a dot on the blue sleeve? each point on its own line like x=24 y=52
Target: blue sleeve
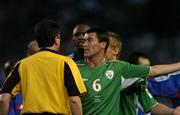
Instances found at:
x=11 y=107
x=166 y=85
x=18 y=104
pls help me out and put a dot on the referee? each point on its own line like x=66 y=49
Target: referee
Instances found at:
x=51 y=84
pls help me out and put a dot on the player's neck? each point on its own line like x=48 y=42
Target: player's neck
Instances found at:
x=114 y=58
x=80 y=53
x=95 y=61
x=53 y=48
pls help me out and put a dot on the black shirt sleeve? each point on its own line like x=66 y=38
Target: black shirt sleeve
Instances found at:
x=70 y=82
x=11 y=81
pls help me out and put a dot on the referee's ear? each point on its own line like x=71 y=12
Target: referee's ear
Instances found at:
x=57 y=39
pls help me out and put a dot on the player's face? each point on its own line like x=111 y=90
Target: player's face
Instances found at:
x=144 y=61
x=92 y=46
x=78 y=36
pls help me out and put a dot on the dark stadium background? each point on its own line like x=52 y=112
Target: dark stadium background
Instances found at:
x=149 y=26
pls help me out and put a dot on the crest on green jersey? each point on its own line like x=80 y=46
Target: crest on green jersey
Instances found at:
x=109 y=74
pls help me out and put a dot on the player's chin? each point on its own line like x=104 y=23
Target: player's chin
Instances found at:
x=86 y=54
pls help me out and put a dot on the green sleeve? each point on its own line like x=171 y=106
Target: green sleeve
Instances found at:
x=146 y=100
x=135 y=71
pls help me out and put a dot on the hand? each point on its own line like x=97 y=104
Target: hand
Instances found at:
x=176 y=111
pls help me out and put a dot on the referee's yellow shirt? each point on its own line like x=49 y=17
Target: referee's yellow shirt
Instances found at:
x=46 y=80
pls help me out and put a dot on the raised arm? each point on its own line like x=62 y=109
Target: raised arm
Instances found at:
x=163 y=69
x=161 y=109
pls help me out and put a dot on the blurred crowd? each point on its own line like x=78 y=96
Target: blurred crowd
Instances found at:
x=137 y=21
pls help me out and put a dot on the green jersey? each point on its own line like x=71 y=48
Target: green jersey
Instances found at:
x=134 y=97
x=127 y=104
x=145 y=100
x=104 y=84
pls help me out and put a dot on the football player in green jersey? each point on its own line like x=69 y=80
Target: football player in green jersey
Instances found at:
x=137 y=94
x=104 y=79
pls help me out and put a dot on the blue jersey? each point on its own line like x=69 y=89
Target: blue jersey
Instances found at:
x=74 y=56
x=166 y=85
x=15 y=105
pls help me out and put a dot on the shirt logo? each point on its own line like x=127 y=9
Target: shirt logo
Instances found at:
x=109 y=74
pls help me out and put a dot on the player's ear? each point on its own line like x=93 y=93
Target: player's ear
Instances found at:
x=57 y=39
x=104 y=44
x=116 y=51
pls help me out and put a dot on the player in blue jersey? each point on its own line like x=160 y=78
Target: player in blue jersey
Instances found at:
x=78 y=41
x=166 y=87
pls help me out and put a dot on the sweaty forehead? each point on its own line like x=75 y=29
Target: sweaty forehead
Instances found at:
x=90 y=35
x=80 y=29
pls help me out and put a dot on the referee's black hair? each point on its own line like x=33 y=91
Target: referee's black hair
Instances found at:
x=45 y=33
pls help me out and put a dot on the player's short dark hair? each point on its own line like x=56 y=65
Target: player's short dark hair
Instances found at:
x=45 y=32
x=102 y=35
